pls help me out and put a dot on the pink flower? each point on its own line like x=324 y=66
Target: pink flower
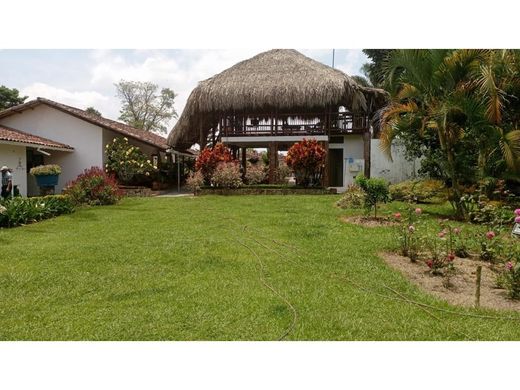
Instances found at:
x=456 y=231
x=429 y=263
x=397 y=215
x=442 y=233
x=517 y=212
x=411 y=228
x=418 y=211
x=490 y=235
x=517 y=219
x=509 y=266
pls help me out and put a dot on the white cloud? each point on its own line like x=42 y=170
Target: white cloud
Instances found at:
x=79 y=99
x=181 y=72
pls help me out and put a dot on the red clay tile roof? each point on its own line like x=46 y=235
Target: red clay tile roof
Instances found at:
x=118 y=127
x=12 y=135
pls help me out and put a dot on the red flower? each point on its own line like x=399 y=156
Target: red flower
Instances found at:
x=451 y=257
x=490 y=235
x=397 y=215
x=429 y=263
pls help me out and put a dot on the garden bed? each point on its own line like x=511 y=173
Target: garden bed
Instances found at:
x=265 y=190
x=136 y=191
x=463 y=282
x=369 y=221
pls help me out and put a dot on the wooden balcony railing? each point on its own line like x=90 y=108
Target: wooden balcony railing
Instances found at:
x=295 y=124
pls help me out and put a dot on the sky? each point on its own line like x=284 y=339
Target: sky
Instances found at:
x=83 y=78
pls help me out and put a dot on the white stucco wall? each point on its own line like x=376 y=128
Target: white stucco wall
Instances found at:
x=352 y=150
x=394 y=171
x=15 y=158
x=85 y=138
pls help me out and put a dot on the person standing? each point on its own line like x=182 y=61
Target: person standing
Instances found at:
x=7 y=182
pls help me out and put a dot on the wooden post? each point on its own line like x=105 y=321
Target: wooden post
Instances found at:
x=273 y=158
x=325 y=177
x=477 y=291
x=244 y=162
x=366 y=152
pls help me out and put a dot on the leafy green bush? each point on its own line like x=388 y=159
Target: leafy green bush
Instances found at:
x=418 y=190
x=46 y=170
x=94 y=187
x=376 y=191
x=126 y=161
x=353 y=198
x=21 y=211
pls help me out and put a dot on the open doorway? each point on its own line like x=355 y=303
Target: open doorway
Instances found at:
x=336 y=167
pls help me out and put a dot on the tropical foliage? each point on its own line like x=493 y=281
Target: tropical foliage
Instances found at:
x=94 y=187
x=21 y=211
x=307 y=159
x=459 y=109
x=209 y=158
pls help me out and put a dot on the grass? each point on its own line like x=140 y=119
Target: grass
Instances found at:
x=187 y=269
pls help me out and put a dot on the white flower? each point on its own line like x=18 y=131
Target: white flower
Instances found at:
x=2 y=209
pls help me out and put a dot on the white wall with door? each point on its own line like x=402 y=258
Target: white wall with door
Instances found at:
x=48 y=122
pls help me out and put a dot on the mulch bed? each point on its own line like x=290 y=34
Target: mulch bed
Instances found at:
x=462 y=289
x=369 y=221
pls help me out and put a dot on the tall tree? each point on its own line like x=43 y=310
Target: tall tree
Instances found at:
x=452 y=102
x=144 y=106
x=10 y=97
x=93 y=111
x=374 y=70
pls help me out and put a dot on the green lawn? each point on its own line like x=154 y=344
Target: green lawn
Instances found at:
x=206 y=268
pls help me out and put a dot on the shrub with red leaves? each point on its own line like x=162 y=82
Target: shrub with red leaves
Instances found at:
x=307 y=160
x=94 y=187
x=209 y=158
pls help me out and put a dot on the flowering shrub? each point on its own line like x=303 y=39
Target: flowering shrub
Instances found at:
x=126 y=161
x=282 y=172
x=195 y=181
x=209 y=158
x=460 y=247
x=307 y=160
x=255 y=173
x=353 y=198
x=227 y=175
x=94 y=187
x=406 y=233
x=46 y=170
x=20 y=211
x=489 y=245
x=512 y=279
x=376 y=191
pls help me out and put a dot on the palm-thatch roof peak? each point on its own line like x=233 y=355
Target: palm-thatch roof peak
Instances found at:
x=279 y=80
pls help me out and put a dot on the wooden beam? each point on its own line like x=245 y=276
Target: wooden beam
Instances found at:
x=273 y=161
x=325 y=177
x=244 y=162
x=366 y=152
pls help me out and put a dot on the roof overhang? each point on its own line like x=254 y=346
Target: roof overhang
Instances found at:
x=35 y=145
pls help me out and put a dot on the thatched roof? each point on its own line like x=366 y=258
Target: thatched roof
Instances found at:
x=273 y=81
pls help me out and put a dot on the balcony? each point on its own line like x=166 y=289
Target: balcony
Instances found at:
x=340 y=123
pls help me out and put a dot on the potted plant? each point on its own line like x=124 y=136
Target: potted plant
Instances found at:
x=46 y=175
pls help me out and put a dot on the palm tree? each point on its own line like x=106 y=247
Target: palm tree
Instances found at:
x=451 y=94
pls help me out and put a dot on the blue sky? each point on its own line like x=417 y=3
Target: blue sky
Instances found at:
x=85 y=78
